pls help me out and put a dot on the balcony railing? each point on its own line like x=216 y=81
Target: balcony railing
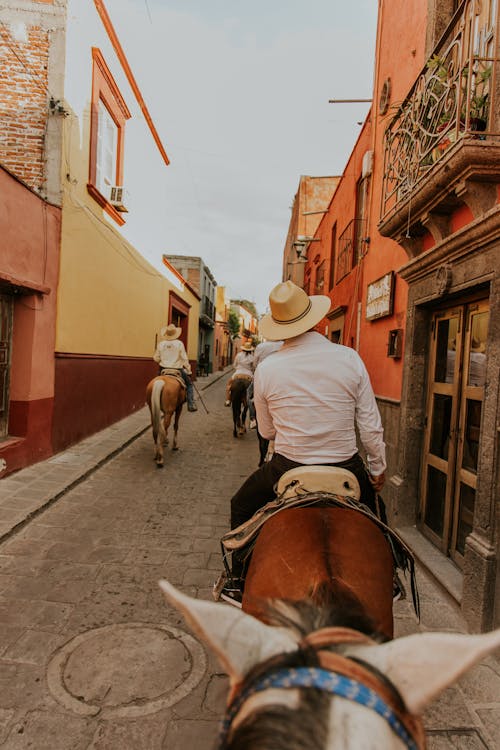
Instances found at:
x=350 y=246
x=452 y=99
x=207 y=308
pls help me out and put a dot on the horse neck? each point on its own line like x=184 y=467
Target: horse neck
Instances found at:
x=359 y=728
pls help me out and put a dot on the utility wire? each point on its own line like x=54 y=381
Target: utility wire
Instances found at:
x=148 y=10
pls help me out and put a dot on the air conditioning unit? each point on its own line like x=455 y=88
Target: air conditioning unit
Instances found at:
x=117 y=198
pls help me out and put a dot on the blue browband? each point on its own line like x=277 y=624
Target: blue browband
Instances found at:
x=328 y=682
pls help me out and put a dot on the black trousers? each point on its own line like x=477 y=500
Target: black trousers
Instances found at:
x=258 y=490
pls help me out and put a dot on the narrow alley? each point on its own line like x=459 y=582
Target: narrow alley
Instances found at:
x=91 y=656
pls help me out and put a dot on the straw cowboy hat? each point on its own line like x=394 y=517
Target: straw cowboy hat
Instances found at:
x=170 y=332
x=292 y=312
x=247 y=347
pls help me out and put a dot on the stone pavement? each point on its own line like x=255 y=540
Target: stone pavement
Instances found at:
x=91 y=657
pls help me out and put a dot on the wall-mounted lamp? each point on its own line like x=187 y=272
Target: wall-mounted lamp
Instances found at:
x=300 y=249
x=300 y=245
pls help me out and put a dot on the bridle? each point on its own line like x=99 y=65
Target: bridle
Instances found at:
x=338 y=675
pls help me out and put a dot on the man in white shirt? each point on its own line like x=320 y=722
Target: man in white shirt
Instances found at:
x=262 y=350
x=171 y=354
x=309 y=397
x=243 y=368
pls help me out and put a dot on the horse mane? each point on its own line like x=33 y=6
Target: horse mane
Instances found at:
x=330 y=604
x=306 y=728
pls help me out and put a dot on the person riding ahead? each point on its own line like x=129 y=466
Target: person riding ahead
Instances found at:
x=309 y=396
x=243 y=368
x=171 y=355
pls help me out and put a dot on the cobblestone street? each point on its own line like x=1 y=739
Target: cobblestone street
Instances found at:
x=92 y=658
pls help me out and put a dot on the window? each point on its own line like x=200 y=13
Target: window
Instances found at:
x=320 y=278
x=360 y=223
x=331 y=280
x=107 y=144
x=109 y=114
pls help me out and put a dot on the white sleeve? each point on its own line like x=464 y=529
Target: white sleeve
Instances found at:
x=184 y=358
x=264 y=419
x=369 y=424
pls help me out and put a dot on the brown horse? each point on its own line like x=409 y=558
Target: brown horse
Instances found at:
x=310 y=658
x=165 y=396
x=239 y=403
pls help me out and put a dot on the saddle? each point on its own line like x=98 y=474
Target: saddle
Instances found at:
x=298 y=487
x=325 y=486
x=172 y=372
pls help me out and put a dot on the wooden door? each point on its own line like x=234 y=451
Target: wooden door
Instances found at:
x=455 y=393
x=5 y=348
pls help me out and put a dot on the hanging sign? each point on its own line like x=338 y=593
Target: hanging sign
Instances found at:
x=379 y=297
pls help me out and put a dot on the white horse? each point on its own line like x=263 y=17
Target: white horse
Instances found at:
x=267 y=711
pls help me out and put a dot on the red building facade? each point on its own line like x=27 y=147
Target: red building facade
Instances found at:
x=408 y=252
x=30 y=230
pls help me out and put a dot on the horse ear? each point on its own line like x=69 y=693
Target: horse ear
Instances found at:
x=421 y=666
x=239 y=640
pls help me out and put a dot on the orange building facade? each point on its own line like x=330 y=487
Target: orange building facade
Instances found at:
x=408 y=252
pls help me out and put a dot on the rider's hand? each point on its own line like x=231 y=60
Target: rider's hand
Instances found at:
x=378 y=481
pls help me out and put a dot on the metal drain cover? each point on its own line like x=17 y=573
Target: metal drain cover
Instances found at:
x=126 y=670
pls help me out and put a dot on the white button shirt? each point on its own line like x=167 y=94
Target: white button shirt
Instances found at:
x=243 y=364
x=308 y=397
x=172 y=354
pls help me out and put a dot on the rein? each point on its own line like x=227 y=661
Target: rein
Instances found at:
x=336 y=675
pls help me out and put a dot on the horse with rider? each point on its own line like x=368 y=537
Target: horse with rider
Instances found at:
x=167 y=393
x=308 y=645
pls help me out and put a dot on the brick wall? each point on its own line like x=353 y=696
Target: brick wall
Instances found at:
x=24 y=57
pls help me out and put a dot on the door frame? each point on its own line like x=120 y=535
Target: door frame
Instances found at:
x=460 y=392
x=445 y=466
x=6 y=327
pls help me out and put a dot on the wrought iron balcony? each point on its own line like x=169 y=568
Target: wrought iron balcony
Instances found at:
x=350 y=247
x=452 y=105
x=207 y=312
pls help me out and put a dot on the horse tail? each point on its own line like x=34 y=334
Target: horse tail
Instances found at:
x=238 y=394
x=236 y=400
x=156 y=406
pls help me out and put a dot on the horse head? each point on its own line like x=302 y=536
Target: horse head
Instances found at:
x=365 y=694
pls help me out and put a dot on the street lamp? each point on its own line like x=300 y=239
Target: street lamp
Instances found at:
x=300 y=245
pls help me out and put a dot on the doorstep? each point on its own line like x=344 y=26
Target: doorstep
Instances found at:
x=439 y=567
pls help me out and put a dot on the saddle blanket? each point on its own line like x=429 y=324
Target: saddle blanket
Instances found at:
x=173 y=373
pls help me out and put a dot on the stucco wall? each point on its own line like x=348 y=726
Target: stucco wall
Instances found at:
x=30 y=231
x=111 y=300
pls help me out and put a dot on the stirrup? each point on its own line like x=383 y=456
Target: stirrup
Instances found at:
x=219 y=585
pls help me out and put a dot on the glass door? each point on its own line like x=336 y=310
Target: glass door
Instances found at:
x=469 y=429
x=440 y=434
x=457 y=367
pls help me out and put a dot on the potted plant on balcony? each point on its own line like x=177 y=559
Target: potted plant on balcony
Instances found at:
x=479 y=102
x=478 y=112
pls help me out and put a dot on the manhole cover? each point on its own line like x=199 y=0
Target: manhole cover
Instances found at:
x=126 y=670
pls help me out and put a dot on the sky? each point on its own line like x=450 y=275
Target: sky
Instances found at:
x=238 y=91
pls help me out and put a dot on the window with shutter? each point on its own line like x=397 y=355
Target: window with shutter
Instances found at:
x=109 y=114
